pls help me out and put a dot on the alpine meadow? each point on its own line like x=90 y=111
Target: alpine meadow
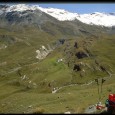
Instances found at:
x=51 y=58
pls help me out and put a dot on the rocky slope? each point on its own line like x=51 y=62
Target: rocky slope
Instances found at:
x=19 y=17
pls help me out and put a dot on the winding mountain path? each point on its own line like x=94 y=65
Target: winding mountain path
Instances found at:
x=85 y=84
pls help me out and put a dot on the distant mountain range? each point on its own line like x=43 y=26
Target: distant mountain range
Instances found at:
x=96 y=18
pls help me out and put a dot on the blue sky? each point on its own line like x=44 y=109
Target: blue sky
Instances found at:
x=79 y=7
x=83 y=8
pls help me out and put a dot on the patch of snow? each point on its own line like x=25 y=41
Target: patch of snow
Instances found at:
x=20 y=7
x=59 y=14
x=96 y=18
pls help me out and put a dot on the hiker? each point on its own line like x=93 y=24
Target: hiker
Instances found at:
x=111 y=105
x=106 y=103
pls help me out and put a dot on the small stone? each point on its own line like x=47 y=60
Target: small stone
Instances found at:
x=30 y=106
x=67 y=112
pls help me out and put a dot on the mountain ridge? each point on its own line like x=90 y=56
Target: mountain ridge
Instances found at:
x=95 y=18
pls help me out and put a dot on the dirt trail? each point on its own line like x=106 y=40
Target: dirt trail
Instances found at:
x=85 y=84
x=12 y=70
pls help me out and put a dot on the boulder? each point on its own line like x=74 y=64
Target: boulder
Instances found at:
x=81 y=54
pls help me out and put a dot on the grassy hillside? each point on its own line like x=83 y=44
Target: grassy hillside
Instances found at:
x=26 y=83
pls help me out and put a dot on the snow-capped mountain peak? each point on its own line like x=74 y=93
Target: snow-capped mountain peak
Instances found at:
x=96 y=18
x=59 y=14
x=20 y=7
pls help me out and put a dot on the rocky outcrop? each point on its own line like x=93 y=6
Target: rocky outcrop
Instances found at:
x=76 y=45
x=60 y=42
x=43 y=52
x=81 y=54
x=77 y=67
